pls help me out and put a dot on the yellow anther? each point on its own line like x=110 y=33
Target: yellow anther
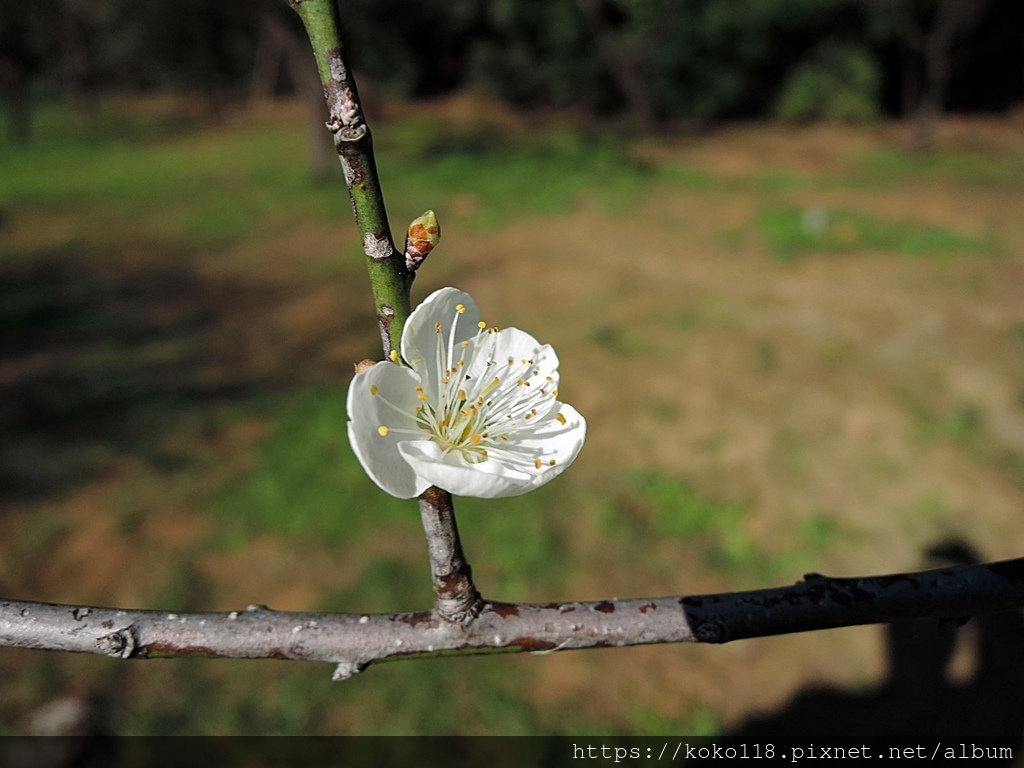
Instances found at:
x=529 y=416
x=511 y=360
x=561 y=418
x=554 y=392
x=536 y=463
x=382 y=431
x=373 y=389
x=422 y=396
x=462 y=394
x=481 y=324
x=463 y=344
x=437 y=327
x=460 y=308
x=394 y=355
x=551 y=462
x=474 y=439
x=483 y=452
x=419 y=389
x=504 y=437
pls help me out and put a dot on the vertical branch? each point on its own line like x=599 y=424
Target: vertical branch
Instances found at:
x=391 y=274
x=389 y=278
x=455 y=596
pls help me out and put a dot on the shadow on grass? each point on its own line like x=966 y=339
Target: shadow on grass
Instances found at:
x=100 y=357
x=920 y=701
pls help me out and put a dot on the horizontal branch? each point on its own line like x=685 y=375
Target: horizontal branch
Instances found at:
x=354 y=641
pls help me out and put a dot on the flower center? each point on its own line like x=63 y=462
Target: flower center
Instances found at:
x=479 y=405
x=463 y=417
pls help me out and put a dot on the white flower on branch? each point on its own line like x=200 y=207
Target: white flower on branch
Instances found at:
x=476 y=412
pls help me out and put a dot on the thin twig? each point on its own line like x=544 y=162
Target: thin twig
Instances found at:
x=456 y=598
x=391 y=277
x=354 y=641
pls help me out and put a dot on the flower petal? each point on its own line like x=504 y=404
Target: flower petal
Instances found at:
x=549 y=440
x=420 y=337
x=368 y=411
x=517 y=355
x=487 y=480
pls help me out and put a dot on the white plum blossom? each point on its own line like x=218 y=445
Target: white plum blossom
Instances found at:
x=476 y=412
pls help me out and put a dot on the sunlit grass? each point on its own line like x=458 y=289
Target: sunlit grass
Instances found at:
x=247 y=180
x=665 y=506
x=980 y=169
x=791 y=232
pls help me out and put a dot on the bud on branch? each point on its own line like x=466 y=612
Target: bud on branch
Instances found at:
x=424 y=234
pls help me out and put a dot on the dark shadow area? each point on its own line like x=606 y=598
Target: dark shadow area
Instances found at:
x=918 y=703
x=96 y=361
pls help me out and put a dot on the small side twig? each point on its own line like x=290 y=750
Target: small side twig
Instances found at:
x=391 y=275
x=354 y=641
x=456 y=598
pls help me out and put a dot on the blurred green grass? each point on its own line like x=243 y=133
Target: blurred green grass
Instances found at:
x=792 y=232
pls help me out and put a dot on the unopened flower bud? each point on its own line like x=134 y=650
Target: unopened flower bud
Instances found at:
x=424 y=234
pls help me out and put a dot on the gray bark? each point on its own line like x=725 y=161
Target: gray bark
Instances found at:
x=354 y=641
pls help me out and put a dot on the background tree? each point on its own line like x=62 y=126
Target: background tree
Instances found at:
x=930 y=31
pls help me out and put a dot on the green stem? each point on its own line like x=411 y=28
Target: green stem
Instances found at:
x=456 y=598
x=389 y=278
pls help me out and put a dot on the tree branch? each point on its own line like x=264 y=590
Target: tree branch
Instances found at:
x=389 y=278
x=354 y=641
x=456 y=598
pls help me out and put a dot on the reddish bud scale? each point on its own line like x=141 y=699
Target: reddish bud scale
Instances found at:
x=424 y=233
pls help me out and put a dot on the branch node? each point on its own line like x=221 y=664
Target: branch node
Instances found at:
x=347 y=669
x=347 y=134
x=461 y=609
x=377 y=248
x=710 y=632
x=120 y=644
